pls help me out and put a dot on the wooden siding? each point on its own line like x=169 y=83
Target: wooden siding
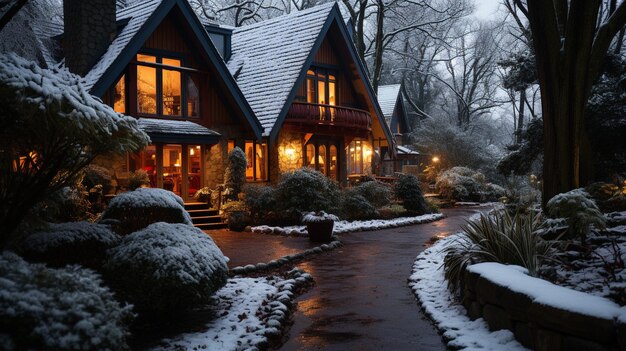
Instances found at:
x=326 y=54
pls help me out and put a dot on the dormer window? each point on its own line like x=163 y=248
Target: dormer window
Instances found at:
x=166 y=88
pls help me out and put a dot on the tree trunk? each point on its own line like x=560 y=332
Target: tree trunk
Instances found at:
x=520 y=116
x=378 y=44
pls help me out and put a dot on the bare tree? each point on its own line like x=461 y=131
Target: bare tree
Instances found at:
x=571 y=40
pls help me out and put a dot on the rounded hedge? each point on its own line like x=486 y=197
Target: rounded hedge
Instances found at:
x=166 y=268
x=83 y=243
x=306 y=190
x=43 y=308
x=137 y=209
x=407 y=190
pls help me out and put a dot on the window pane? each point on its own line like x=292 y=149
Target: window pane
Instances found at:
x=310 y=156
x=231 y=145
x=172 y=160
x=194 y=171
x=170 y=62
x=119 y=95
x=331 y=77
x=331 y=94
x=310 y=73
x=333 y=163
x=311 y=97
x=146 y=90
x=321 y=95
x=146 y=58
x=193 y=97
x=321 y=159
x=171 y=93
x=261 y=161
x=250 y=156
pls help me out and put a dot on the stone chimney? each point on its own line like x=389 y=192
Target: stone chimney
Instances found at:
x=89 y=29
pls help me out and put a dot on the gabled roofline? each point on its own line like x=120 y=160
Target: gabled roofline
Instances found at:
x=333 y=16
x=400 y=100
x=155 y=19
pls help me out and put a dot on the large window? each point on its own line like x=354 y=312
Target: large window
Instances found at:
x=359 y=154
x=163 y=85
x=257 y=161
x=321 y=88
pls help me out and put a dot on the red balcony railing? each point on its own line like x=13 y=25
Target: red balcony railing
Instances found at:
x=308 y=113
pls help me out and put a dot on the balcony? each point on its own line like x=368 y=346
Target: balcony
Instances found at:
x=328 y=117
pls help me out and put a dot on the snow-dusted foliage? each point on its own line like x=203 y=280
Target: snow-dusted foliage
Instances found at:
x=52 y=123
x=235 y=175
x=376 y=193
x=354 y=206
x=57 y=309
x=322 y=216
x=466 y=184
x=407 y=190
x=305 y=190
x=134 y=210
x=166 y=267
x=579 y=209
x=62 y=244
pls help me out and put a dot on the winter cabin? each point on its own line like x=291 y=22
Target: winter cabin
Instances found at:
x=392 y=105
x=154 y=60
x=305 y=83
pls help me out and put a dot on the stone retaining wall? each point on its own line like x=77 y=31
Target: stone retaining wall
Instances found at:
x=539 y=326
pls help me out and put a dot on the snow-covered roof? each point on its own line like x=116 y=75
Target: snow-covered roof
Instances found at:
x=268 y=57
x=137 y=14
x=405 y=151
x=387 y=97
x=168 y=126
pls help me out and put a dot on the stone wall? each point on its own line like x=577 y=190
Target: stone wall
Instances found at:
x=539 y=326
x=286 y=155
x=216 y=157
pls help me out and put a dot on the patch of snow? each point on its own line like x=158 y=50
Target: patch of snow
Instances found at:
x=150 y=197
x=429 y=286
x=65 y=234
x=354 y=226
x=312 y=217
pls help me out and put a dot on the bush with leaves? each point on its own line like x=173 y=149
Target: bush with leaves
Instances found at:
x=138 y=179
x=69 y=204
x=579 y=210
x=62 y=244
x=609 y=197
x=354 y=206
x=261 y=201
x=235 y=176
x=466 y=184
x=134 y=210
x=203 y=195
x=43 y=308
x=305 y=190
x=166 y=268
x=407 y=190
x=498 y=238
x=376 y=193
x=56 y=127
x=94 y=175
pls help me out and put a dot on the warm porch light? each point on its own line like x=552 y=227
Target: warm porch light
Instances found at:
x=289 y=152
x=435 y=159
x=192 y=152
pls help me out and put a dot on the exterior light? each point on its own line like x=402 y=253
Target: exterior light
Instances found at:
x=192 y=152
x=435 y=159
x=290 y=152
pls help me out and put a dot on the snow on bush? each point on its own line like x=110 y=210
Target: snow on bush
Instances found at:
x=376 y=193
x=407 y=190
x=305 y=190
x=261 y=201
x=313 y=217
x=579 y=210
x=166 y=267
x=235 y=175
x=354 y=206
x=57 y=309
x=61 y=244
x=134 y=210
x=466 y=184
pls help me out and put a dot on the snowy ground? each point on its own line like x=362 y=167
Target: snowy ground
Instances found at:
x=601 y=270
x=459 y=332
x=354 y=226
x=248 y=312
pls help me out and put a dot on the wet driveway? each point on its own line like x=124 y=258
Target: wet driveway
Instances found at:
x=361 y=300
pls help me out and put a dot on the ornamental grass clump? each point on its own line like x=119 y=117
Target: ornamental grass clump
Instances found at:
x=500 y=238
x=579 y=210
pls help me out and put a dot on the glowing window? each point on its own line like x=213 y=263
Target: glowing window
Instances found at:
x=119 y=95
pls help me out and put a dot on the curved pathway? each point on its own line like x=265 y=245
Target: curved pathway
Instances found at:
x=361 y=300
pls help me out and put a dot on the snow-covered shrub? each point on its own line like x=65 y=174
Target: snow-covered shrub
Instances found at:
x=407 y=190
x=237 y=215
x=354 y=206
x=235 y=175
x=134 y=210
x=376 y=193
x=498 y=238
x=43 y=308
x=138 y=179
x=203 y=195
x=69 y=204
x=50 y=120
x=305 y=190
x=62 y=244
x=579 y=210
x=322 y=216
x=261 y=201
x=166 y=268
x=461 y=184
x=97 y=175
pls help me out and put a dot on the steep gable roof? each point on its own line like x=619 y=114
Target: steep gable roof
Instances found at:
x=387 y=98
x=142 y=19
x=269 y=60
